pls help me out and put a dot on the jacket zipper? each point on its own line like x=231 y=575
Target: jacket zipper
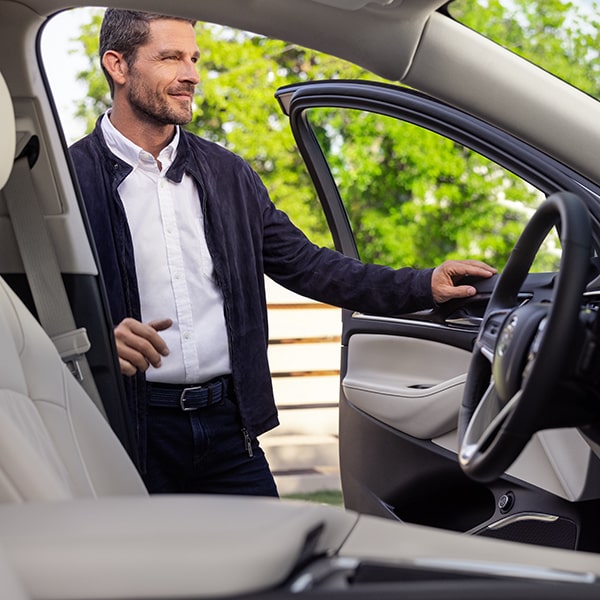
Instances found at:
x=247 y=442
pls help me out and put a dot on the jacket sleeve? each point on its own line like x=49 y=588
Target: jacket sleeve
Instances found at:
x=325 y=275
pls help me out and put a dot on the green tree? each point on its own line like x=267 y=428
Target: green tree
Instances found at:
x=562 y=37
x=97 y=99
x=236 y=107
x=416 y=198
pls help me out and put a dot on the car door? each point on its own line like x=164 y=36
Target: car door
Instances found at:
x=402 y=378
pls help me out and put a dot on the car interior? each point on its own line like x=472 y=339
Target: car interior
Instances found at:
x=76 y=521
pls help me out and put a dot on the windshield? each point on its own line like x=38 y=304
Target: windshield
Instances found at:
x=561 y=37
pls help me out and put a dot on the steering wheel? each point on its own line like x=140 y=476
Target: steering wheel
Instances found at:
x=523 y=345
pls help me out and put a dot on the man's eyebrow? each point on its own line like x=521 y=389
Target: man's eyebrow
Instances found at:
x=169 y=52
x=174 y=52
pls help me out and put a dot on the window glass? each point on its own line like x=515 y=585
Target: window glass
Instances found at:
x=561 y=37
x=415 y=198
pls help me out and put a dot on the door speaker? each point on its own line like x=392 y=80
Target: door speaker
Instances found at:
x=534 y=528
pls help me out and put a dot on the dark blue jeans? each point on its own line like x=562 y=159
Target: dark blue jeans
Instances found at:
x=204 y=451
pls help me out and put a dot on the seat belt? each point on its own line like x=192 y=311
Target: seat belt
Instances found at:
x=43 y=271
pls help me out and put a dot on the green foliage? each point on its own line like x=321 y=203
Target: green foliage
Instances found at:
x=416 y=198
x=562 y=37
x=236 y=107
x=412 y=197
x=97 y=99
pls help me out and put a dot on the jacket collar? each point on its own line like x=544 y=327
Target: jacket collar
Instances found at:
x=183 y=160
x=130 y=152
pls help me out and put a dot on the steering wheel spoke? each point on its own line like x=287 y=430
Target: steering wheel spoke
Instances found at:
x=487 y=419
x=488 y=334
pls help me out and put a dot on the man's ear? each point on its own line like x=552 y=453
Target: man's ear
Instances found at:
x=115 y=65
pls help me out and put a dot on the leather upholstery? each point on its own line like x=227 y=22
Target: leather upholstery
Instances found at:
x=7 y=127
x=54 y=443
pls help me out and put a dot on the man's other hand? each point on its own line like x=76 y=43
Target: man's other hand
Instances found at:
x=139 y=345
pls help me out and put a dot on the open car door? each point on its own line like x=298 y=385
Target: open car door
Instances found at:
x=406 y=180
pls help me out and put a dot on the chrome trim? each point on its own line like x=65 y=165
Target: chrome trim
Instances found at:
x=320 y=571
x=412 y=322
x=465 y=321
x=506 y=570
x=522 y=517
x=489 y=355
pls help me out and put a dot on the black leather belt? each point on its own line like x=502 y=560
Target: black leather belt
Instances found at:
x=189 y=397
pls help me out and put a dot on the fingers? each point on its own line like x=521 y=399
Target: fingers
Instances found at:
x=139 y=345
x=460 y=291
x=461 y=268
x=126 y=367
x=445 y=277
x=161 y=324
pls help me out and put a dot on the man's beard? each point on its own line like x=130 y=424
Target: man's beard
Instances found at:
x=153 y=108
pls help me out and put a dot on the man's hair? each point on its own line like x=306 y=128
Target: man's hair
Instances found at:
x=124 y=31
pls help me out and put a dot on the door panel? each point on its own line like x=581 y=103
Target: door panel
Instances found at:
x=412 y=385
x=402 y=377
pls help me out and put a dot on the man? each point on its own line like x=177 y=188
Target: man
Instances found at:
x=185 y=233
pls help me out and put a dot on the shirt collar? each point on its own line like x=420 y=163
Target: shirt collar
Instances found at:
x=131 y=153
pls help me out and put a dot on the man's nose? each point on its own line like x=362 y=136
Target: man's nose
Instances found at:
x=190 y=72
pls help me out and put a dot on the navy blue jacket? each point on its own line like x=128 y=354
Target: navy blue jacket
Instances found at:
x=247 y=238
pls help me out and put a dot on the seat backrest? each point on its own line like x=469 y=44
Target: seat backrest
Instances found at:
x=54 y=443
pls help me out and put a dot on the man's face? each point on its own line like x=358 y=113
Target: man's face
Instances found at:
x=162 y=78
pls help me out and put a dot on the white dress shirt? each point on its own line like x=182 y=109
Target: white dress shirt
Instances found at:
x=174 y=268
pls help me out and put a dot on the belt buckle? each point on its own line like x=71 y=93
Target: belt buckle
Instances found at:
x=182 y=398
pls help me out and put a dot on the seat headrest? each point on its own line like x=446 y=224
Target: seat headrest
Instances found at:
x=7 y=127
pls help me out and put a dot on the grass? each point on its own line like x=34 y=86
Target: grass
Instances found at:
x=333 y=497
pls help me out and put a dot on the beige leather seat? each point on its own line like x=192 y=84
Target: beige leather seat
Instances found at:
x=54 y=444
x=10 y=586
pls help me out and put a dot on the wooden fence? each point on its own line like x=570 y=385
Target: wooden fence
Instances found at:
x=304 y=355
